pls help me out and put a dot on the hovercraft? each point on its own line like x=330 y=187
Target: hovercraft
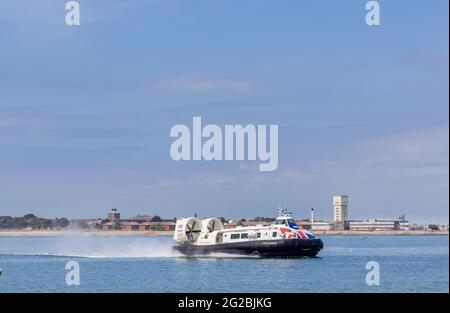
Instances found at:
x=283 y=238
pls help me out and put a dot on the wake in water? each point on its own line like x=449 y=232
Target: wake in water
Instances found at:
x=93 y=247
x=118 y=247
x=103 y=247
x=173 y=254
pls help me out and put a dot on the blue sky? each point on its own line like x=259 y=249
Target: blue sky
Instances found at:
x=85 y=112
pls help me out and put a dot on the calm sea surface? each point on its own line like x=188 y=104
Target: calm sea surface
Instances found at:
x=147 y=264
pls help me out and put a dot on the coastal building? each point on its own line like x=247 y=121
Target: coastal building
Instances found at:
x=138 y=223
x=404 y=225
x=374 y=225
x=317 y=225
x=84 y=223
x=164 y=225
x=129 y=226
x=108 y=226
x=340 y=208
x=305 y=224
x=114 y=215
x=147 y=226
x=321 y=225
x=144 y=217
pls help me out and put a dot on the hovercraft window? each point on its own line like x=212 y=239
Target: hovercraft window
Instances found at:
x=274 y=234
x=234 y=236
x=244 y=236
x=291 y=222
x=258 y=235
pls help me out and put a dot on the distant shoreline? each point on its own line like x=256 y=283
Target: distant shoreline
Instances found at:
x=44 y=233
x=382 y=233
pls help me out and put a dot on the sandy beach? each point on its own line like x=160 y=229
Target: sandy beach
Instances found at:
x=43 y=233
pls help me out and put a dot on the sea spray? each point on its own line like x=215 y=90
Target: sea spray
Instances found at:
x=80 y=245
x=115 y=246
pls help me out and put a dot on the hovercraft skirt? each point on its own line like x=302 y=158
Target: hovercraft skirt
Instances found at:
x=265 y=248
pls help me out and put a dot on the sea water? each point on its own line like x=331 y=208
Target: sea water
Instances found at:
x=148 y=264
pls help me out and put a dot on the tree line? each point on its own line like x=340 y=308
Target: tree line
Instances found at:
x=32 y=221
